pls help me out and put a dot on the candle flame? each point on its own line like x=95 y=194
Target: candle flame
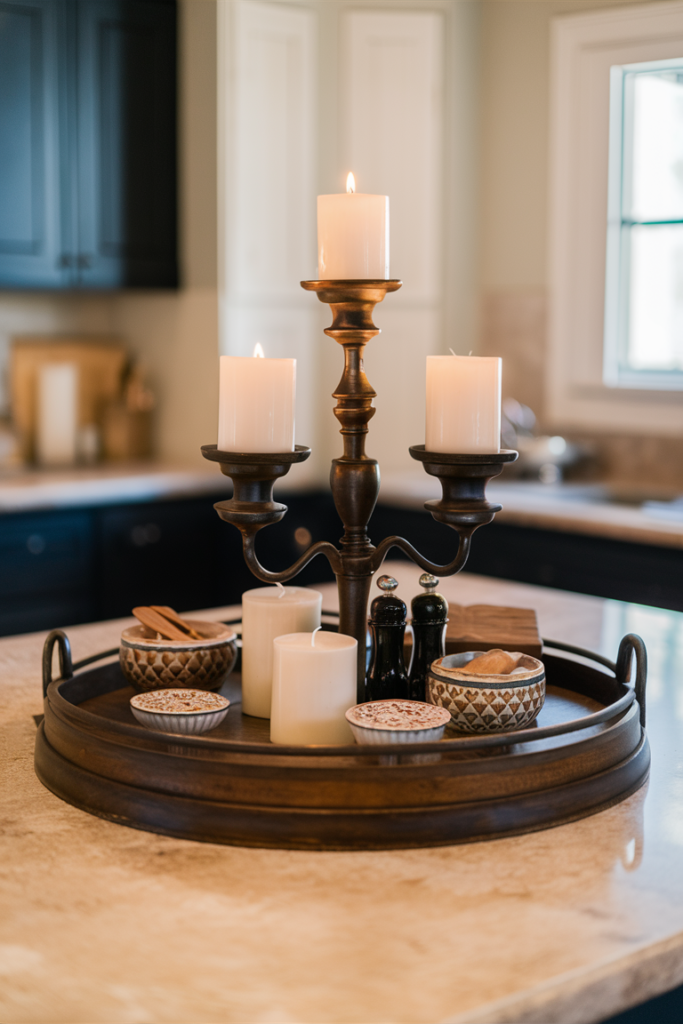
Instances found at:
x=350 y=183
x=258 y=351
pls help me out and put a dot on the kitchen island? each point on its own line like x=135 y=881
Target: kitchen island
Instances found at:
x=103 y=923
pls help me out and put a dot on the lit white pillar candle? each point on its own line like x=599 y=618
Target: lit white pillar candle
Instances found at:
x=57 y=419
x=353 y=236
x=463 y=404
x=256 y=404
x=314 y=684
x=268 y=612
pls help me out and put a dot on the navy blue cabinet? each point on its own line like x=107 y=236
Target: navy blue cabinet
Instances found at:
x=88 y=144
x=47 y=570
x=33 y=143
x=66 y=566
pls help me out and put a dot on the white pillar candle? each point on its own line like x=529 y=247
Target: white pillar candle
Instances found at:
x=463 y=404
x=353 y=236
x=256 y=404
x=268 y=612
x=57 y=419
x=314 y=684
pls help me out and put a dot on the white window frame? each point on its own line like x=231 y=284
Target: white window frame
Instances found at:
x=584 y=49
x=618 y=260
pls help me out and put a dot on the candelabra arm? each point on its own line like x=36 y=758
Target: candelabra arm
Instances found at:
x=322 y=547
x=382 y=550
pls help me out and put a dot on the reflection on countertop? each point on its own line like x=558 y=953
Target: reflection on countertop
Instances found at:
x=617 y=511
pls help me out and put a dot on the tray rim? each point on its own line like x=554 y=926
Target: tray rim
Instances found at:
x=462 y=744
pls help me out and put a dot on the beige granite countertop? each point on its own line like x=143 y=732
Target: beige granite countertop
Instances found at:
x=102 y=923
x=28 y=490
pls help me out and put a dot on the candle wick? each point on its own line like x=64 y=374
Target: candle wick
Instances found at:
x=282 y=591
x=313 y=635
x=451 y=351
x=470 y=352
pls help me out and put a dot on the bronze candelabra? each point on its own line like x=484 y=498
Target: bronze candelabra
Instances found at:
x=354 y=478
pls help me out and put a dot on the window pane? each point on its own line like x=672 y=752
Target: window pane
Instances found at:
x=657 y=141
x=655 y=335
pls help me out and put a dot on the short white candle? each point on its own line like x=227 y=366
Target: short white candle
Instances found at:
x=57 y=420
x=256 y=404
x=314 y=684
x=463 y=404
x=268 y=612
x=353 y=236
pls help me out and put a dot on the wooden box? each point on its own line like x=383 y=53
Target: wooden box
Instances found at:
x=481 y=627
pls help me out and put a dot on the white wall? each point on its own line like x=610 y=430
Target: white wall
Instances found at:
x=394 y=99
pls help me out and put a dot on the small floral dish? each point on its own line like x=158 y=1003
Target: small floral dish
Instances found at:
x=397 y=721
x=181 y=711
x=487 y=703
x=149 y=663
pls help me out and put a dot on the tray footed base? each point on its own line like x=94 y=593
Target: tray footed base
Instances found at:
x=232 y=786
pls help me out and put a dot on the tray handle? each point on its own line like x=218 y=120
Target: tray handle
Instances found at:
x=59 y=637
x=630 y=645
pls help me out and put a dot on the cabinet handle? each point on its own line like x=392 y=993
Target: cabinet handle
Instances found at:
x=141 y=535
x=36 y=544
x=85 y=261
x=302 y=537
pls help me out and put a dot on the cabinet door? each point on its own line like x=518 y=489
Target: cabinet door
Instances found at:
x=127 y=143
x=46 y=570
x=32 y=94
x=177 y=553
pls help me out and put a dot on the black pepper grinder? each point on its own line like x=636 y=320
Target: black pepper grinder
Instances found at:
x=387 y=678
x=430 y=615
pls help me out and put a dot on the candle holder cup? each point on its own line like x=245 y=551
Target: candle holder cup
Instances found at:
x=354 y=477
x=253 y=476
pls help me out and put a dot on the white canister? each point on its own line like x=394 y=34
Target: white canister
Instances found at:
x=314 y=685
x=57 y=414
x=268 y=612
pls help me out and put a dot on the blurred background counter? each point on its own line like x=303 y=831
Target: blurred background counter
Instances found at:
x=88 y=543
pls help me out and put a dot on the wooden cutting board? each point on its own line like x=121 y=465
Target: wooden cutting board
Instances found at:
x=101 y=362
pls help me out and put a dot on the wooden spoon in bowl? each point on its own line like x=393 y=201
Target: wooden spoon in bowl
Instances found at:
x=153 y=619
x=173 y=617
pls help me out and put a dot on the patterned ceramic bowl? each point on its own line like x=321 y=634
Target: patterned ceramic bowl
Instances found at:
x=487 y=703
x=188 y=712
x=151 y=664
x=396 y=721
